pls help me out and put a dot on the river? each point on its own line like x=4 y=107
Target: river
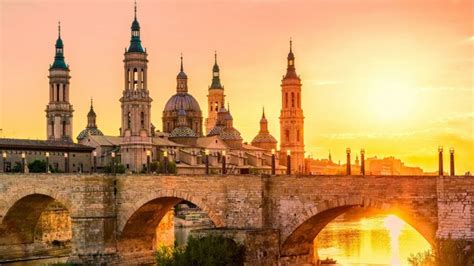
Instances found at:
x=378 y=240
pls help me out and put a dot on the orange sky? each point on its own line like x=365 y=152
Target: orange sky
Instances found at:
x=394 y=77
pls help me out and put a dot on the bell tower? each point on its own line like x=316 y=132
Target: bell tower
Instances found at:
x=59 y=110
x=291 y=117
x=215 y=98
x=136 y=104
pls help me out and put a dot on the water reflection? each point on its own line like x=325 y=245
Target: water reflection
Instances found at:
x=379 y=240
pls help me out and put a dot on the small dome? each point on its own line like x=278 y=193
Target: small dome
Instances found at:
x=182 y=75
x=230 y=134
x=182 y=101
x=180 y=132
x=89 y=132
x=91 y=112
x=59 y=43
x=264 y=138
x=216 y=130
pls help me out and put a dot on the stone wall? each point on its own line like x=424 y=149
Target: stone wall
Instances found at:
x=165 y=230
x=456 y=207
x=54 y=225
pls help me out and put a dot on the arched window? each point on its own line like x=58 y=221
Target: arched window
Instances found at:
x=292 y=99
x=299 y=99
x=52 y=127
x=135 y=78
x=64 y=92
x=287 y=135
x=286 y=100
x=129 y=120
x=64 y=128
x=142 y=119
x=57 y=92
x=298 y=135
x=142 y=78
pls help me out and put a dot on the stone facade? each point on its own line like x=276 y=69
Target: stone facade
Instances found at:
x=114 y=218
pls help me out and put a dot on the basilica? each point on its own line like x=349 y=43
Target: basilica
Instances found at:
x=183 y=139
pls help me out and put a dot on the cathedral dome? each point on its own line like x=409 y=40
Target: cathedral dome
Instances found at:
x=183 y=101
x=230 y=133
x=89 y=132
x=264 y=138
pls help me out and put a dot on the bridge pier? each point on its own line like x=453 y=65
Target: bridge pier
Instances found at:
x=93 y=221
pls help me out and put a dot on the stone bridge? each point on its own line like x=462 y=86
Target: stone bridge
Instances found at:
x=114 y=218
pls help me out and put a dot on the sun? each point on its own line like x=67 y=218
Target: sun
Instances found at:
x=392 y=99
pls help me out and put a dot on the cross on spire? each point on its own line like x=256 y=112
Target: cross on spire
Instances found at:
x=291 y=44
x=181 y=62
x=59 y=29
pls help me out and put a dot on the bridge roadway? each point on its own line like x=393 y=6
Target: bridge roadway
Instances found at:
x=114 y=218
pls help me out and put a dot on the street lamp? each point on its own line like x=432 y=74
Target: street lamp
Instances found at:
x=273 y=162
x=113 y=163
x=288 y=162
x=23 y=162
x=94 y=161
x=223 y=162
x=440 y=161
x=451 y=161
x=148 y=154
x=206 y=152
x=66 y=162
x=165 y=161
x=4 y=166
x=362 y=161
x=348 y=161
x=47 y=162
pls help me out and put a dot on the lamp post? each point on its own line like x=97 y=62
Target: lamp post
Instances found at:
x=362 y=162
x=288 y=162
x=4 y=165
x=348 y=163
x=148 y=154
x=273 y=161
x=451 y=161
x=94 y=161
x=206 y=152
x=440 y=161
x=66 y=163
x=165 y=161
x=47 y=162
x=223 y=162
x=23 y=162
x=113 y=163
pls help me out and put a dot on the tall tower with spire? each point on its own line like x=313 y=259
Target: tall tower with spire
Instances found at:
x=215 y=97
x=136 y=104
x=291 y=117
x=59 y=110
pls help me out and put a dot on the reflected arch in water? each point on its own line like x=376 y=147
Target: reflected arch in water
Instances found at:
x=299 y=242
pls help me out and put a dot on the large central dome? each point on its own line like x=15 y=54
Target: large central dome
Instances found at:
x=184 y=101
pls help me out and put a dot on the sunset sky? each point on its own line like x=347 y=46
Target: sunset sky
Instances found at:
x=393 y=77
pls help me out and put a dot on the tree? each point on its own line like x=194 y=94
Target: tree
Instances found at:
x=206 y=250
x=37 y=166
x=448 y=252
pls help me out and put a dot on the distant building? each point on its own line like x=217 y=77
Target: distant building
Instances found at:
x=390 y=166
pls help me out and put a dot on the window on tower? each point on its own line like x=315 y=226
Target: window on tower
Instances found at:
x=135 y=78
x=290 y=62
x=292 y=99
x=287 y=135
x=57 y=92
x=286 y=100
x=299 y=99
x=129 y=120
x=298 y=136
x=142 y=119
x=64 y=128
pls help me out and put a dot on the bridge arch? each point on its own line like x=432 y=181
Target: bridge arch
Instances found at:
x=297 y=241
x=137 y=224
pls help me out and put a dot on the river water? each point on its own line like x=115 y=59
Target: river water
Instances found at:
x=378 y=240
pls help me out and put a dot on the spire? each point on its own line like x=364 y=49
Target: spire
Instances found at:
x=135 y=42
x=182 y=79
x=59 y=62
x=263 y=112
x=135 y=9
x=290 y=70
x=216 y=80
x=263 y=122
x=91 y=116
